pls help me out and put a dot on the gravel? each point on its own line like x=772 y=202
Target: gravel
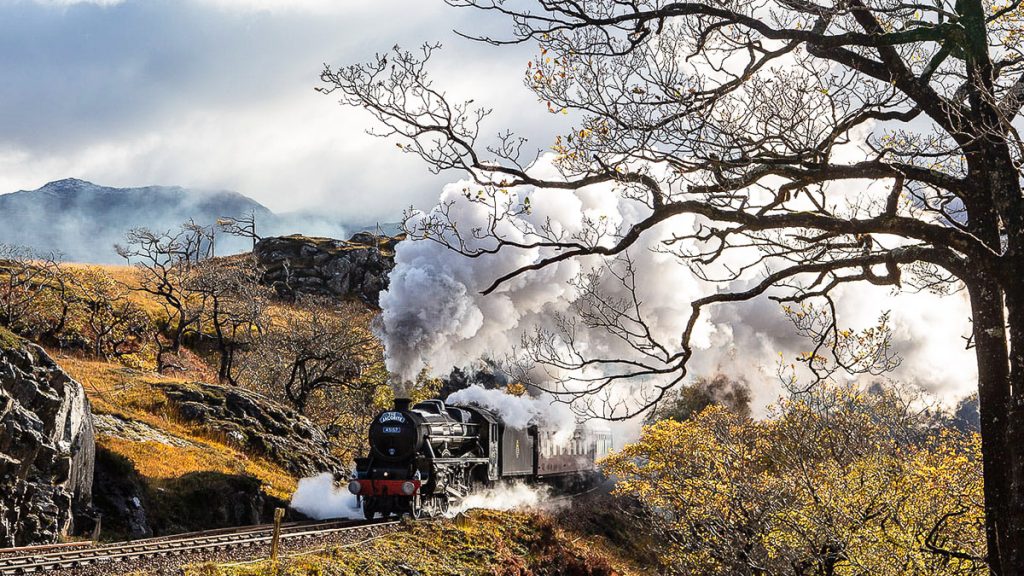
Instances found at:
x=172 y=565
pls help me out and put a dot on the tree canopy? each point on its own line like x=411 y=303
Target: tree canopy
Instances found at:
x=807 y=145
x=840 y=482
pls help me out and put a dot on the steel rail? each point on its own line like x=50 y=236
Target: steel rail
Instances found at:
x=158 y=547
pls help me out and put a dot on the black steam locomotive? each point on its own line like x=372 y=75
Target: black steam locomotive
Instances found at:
x=425 y=458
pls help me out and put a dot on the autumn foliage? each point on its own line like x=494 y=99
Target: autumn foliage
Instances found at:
x=837 y=482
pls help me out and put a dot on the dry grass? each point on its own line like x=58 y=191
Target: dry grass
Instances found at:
x=128 y=276
x=135 y=395
x=158 y=462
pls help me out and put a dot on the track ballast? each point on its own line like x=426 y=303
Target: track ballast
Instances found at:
x=47 y=560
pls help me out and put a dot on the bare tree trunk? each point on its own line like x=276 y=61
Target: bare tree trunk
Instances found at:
x=161 y=352
x=178 y=331
x=223 y=348
x=993 y=394
x=1015 y=414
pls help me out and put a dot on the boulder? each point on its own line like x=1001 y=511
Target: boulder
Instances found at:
x=47 y=447
x=256 y=424
x=354 y=268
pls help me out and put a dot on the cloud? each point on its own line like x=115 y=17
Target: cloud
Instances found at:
x=73 y=2
x=218 y=94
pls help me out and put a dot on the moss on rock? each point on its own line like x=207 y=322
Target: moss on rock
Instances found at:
x=9 y=340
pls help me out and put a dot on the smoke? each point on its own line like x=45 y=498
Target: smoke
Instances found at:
x=320 y=498
x=508 y=496
x=435 y=317
x=520 y=411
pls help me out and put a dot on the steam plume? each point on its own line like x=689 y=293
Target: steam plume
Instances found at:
x=519 y=411
x=319 y=498
x=512 y=496
x=435 y=316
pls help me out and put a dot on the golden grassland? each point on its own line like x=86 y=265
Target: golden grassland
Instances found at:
x=484 y=542
x=135 y=395
x=127 y=276
x=132 y=392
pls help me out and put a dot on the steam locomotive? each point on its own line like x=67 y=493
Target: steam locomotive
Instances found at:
x=425 y=458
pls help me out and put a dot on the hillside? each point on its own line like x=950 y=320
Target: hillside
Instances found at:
x=176 y=455
x=170 y=442
x=83 y=220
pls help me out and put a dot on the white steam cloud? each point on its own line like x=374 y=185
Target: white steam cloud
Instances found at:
x=510 y=496
x=435 y=316
x=520 y=411
x=320 y=498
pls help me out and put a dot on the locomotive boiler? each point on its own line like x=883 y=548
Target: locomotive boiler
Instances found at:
x=426 y=457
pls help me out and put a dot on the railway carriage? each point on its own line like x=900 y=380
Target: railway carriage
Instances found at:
x=426 y=457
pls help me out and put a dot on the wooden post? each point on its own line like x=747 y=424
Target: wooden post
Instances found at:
x=278 y=515
x=97 y=527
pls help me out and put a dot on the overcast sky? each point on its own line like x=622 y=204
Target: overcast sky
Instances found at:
x=219 y=94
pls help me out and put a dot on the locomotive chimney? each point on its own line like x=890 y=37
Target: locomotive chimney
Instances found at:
x=402 y=404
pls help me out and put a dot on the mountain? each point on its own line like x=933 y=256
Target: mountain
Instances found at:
x=83 y=220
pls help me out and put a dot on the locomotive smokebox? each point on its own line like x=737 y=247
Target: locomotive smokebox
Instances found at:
x=402 y=404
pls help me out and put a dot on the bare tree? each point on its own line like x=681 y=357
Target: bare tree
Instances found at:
x=25 y=278
x=764 y=120
x=166 y=264
x=196 y=241
x=113 y=323
x=235 y=310
x=320 y=346
x=243 y=226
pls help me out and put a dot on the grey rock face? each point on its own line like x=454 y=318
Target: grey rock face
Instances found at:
x=120 y=496
x=47 y=448
x=358 y=267
x=256 y=424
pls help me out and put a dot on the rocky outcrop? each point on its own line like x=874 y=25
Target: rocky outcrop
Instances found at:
x=47 y=447
x=134 y=506
x=354 y=268
x=255 y=424
x=120 y=497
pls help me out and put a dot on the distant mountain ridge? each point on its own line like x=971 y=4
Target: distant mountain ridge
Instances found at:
x=83 y=221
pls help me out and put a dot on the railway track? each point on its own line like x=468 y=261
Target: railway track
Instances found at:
x=47 y=559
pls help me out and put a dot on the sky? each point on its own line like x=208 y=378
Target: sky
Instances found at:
x=218 y=94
